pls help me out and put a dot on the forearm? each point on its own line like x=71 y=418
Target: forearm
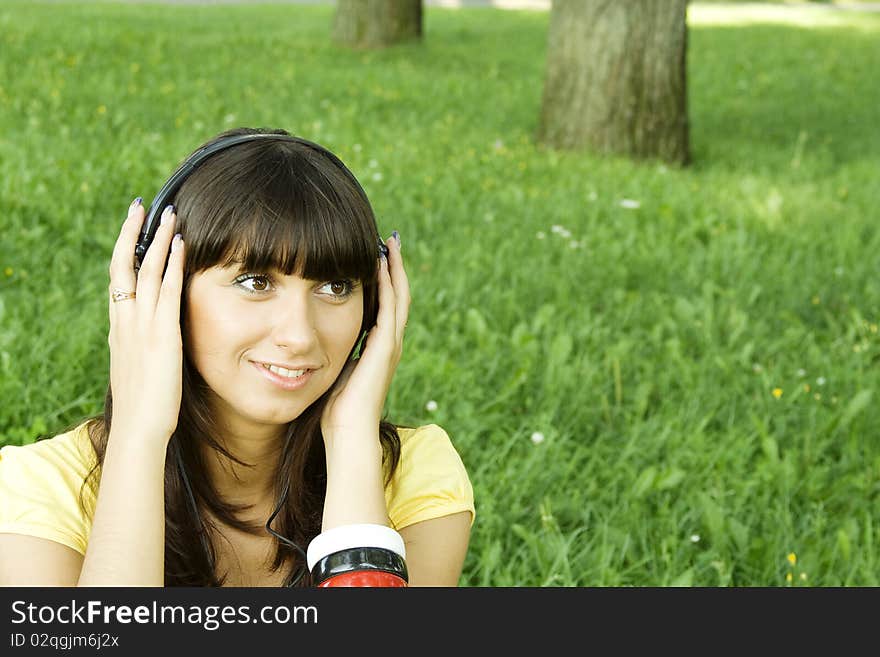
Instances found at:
x=127 y=541
x=355 y=489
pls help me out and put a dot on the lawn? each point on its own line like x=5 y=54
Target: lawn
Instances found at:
x=655 y=376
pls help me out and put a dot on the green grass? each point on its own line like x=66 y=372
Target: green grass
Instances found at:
x=643 y=344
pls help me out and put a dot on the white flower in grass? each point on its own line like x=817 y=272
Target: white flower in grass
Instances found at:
x=431 y=406
x=574 y=244
x=820 y=381
x=756 y=367
x=695 y=538
x=630 y=204
x=372 y=164
x=356 y=148
x=377 y=176
x=802 y=373
x=541 y=234
x=229 y=118
x=537 y=438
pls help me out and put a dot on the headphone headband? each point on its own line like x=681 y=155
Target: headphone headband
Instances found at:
x=151 y=223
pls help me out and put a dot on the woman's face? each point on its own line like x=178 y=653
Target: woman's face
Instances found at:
x=240 y=324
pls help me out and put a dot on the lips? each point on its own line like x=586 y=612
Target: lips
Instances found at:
x=284 y=377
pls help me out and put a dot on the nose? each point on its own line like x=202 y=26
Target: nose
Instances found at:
x=293 y=324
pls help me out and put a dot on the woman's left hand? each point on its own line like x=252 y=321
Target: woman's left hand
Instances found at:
x=356 y=403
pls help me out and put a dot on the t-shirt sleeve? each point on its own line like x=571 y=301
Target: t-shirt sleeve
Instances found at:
x=430 y=481
x=40 y=491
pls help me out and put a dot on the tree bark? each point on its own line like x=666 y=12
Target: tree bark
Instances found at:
x=376 y=23
x=616 y=78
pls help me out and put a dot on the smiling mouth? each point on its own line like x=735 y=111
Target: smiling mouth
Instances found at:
x=284 y=378
x=284 y=372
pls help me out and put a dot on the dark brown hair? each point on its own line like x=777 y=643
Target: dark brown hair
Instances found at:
x=269 y=204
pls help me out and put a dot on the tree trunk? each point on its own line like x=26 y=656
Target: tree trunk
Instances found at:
x=616 y=78
x=376 y=23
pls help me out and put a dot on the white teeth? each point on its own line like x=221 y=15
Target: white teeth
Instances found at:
x=283 y=371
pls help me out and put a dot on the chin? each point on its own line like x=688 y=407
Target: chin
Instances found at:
x=277 y=416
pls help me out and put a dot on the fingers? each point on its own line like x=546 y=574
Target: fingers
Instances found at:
x=400 y=283
x=394 y=300
x=149 y=283
x=386 y=317
x=122 y=274
x=149 y=278
x=168 y=306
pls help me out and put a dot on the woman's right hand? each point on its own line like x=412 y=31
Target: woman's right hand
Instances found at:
x=146 y=352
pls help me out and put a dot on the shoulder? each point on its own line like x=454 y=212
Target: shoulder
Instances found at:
x=40 y=486
x=431 y=479
x=428 y=448
x=71 y=448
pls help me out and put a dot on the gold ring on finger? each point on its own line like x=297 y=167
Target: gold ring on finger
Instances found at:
x=121 y=295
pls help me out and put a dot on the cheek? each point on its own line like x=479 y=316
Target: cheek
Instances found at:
x=211 y=331
x=341 y=333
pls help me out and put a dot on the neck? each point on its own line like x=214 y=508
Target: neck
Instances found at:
x=254 y=482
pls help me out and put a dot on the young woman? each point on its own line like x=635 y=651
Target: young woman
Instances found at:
x=252 y=346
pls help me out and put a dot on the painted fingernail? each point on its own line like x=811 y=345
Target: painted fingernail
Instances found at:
x=166 y=213
x=176 y=242
x=132 y=207
x=396 y=236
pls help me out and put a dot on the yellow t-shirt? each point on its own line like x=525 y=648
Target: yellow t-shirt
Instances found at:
x=40 y=484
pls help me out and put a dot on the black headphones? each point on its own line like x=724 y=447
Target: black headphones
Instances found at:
x=169 y=189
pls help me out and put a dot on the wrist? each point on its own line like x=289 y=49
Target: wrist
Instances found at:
x=357 y=442
x=137 y=439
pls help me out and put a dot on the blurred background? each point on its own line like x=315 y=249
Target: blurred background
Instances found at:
x=642 y=243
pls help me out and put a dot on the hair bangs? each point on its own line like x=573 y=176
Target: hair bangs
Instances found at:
x=294 y=215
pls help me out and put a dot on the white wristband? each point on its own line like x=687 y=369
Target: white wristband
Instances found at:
x=346 y=537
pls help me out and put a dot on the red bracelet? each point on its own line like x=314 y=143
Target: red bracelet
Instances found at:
x=364 y=578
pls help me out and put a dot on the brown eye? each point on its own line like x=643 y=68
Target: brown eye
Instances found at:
x=338 y=290
x=254 y=283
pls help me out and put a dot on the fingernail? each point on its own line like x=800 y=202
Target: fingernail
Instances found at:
x=176 y=242
x=396 y=236
x=166 y=213
x=131 y=207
